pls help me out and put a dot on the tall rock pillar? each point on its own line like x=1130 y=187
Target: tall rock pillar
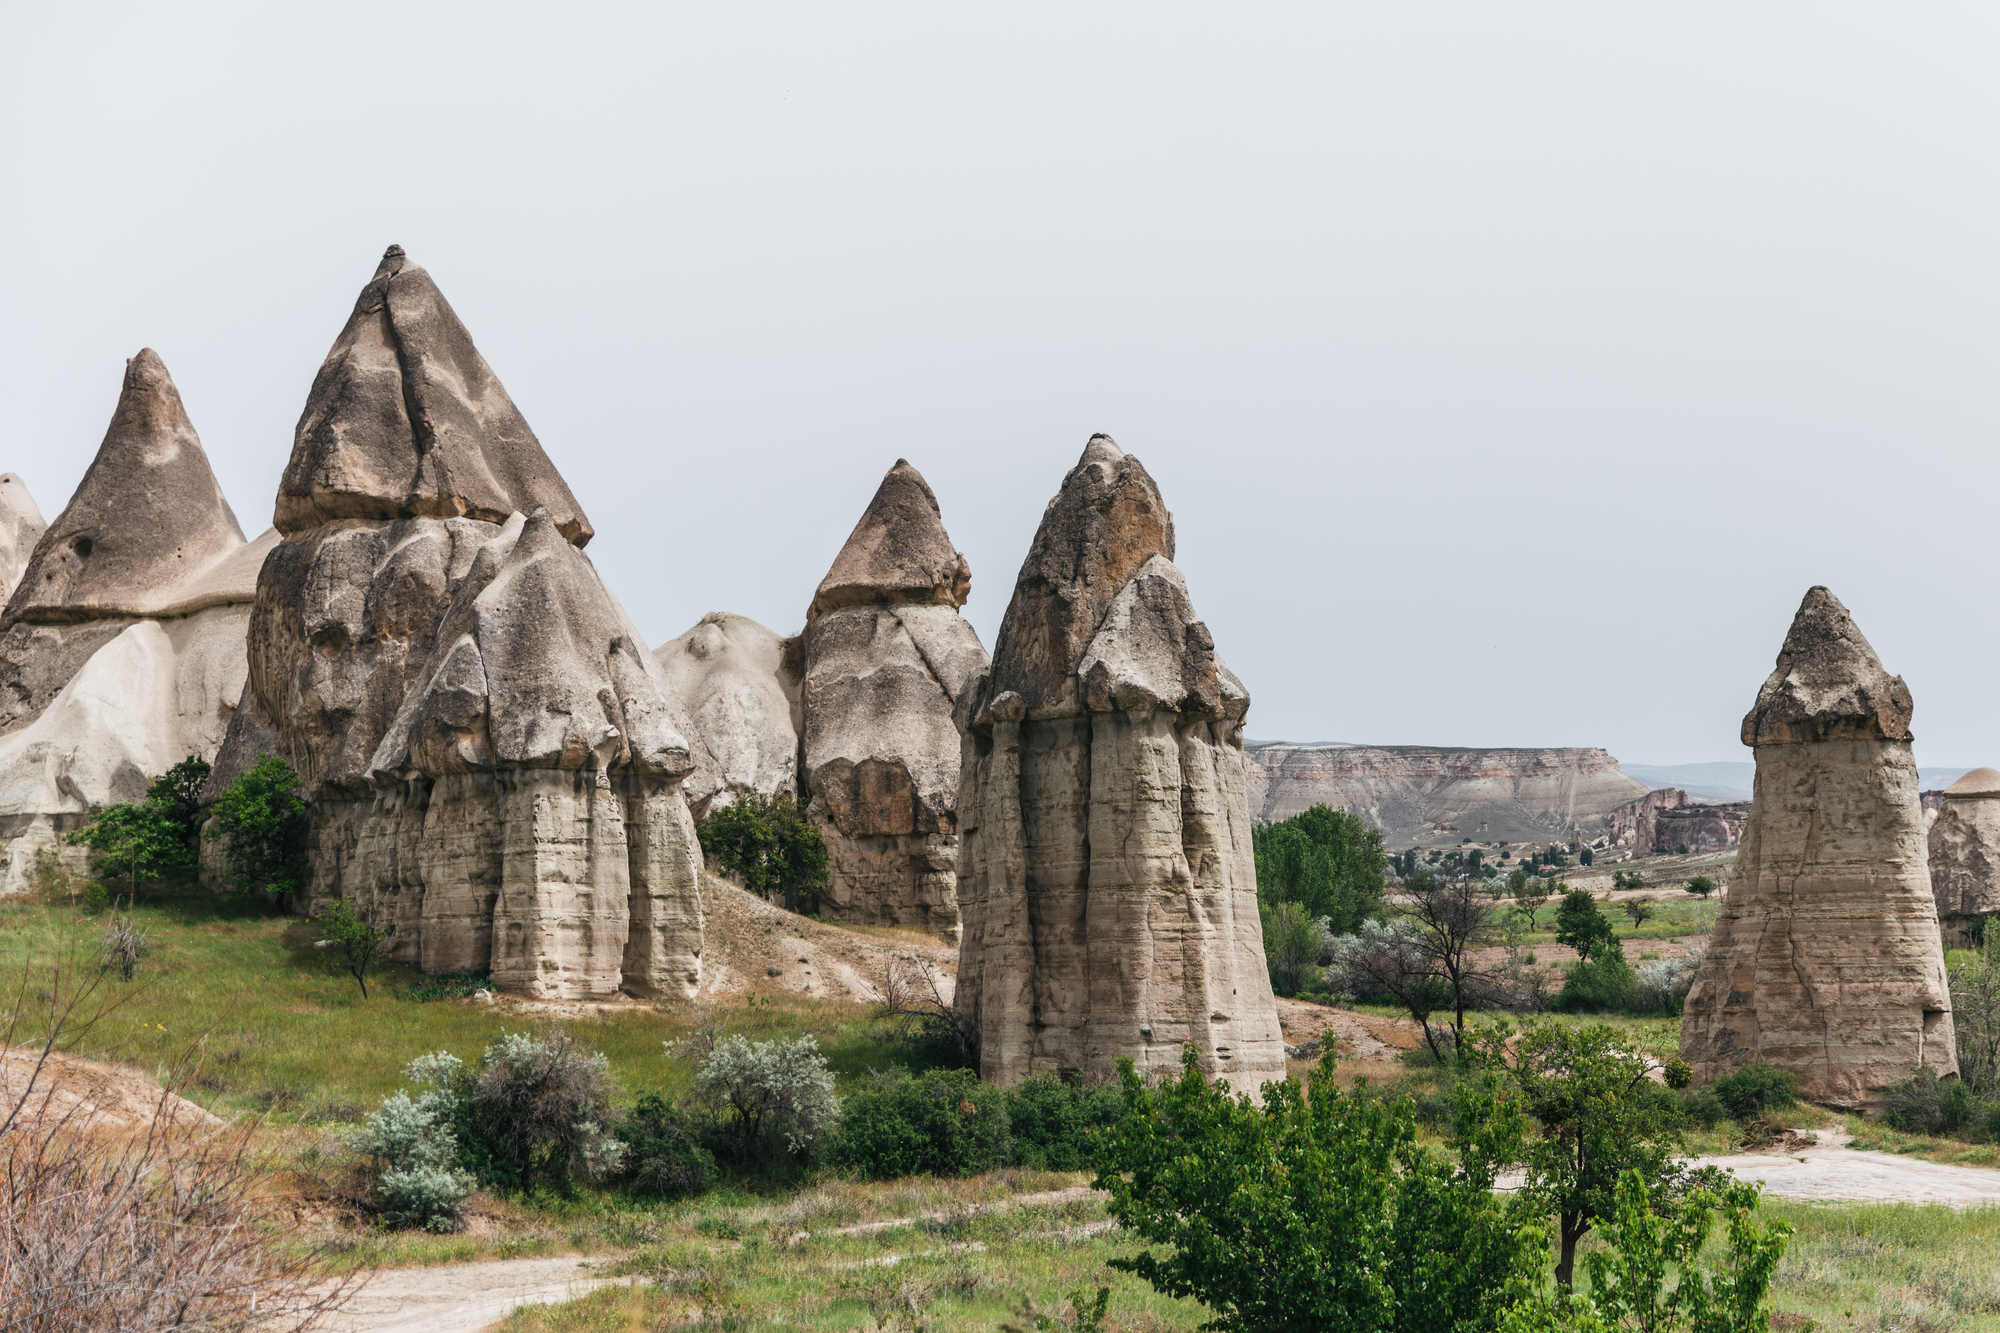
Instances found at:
x=1826 y=959
x=1106 y=879
x=1965 y=855
x=886 y=658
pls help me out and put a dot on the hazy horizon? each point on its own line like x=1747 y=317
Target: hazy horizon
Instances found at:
x=1511 y=373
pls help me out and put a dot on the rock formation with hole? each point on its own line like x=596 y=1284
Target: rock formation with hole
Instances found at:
x=122 y=643
x=739 y=683
x=1964 y=844
x=1105 y=870
x=494 y=760
x=886 y=656
x=1826 y=958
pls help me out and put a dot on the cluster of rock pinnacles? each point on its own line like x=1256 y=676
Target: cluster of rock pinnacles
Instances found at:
x=504 y=778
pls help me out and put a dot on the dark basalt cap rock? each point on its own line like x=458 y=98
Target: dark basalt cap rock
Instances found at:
x=899 y=553
x=1828 y=684
x=406 y=420
x=147 y=519
x=1102 y=527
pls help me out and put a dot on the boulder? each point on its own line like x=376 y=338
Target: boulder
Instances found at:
x=739 y=684
x=886 y=657
x=492 y=753
x=1964 y=843
x=1106 y=877
x=1826 y=958
x=122 y=646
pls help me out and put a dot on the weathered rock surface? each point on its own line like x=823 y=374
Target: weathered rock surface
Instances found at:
x=1665 y=821
x=494 y=759
x=1826 y=958
x=1407 y=790
x=886 y=657
x=21 y=526
x=739 y=683
x=1105 y=870
x=122 y=647
x=1964 y=844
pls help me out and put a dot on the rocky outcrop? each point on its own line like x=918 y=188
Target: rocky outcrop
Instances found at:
x=886 y=656
x=21 y=526
x=739 y=684
x=1105 y=870
x=122 y=645
x=1964 y=845
x=1408 y=790
x=1826 y=958
x=1666 y=821
x=493 y=757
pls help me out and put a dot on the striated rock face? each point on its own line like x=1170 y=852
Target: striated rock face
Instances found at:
x=1964 y=844
x=886 y=656
x=1407 y=790
x=739 y=683
x=1105 y=870
x=1665 y=820
x=122 y=645
x=1826 y=959
x=494 y=759
x=21 y=526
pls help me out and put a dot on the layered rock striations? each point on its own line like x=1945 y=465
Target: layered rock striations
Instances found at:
x=886 y=658
x=1964 y=854
x=493 y=757
x=739 y=683
x=1666 y=821
x=1105 y=870
x=122 y=644
x=1826 y=958
x=1406 y=790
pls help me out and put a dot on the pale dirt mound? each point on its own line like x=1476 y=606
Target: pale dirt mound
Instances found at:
x=108 y=1095
x=754 y=947
x=1355 y=1036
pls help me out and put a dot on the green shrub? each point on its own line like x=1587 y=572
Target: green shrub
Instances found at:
x=1326 y=860
x=1055 y=1124
x=1703 y=1107
x=1603 y=984
x=1754 y=1089
x=417 y=1154
x=534 y=1113
x=1292 y=943
x=944 y=1122
x=763 y=1100
x=261 y=820
x=664 y=1151
x=1926 y=1104
x=96 y=898
x=769 y=844
x=446 y=986
x=1679 y=1073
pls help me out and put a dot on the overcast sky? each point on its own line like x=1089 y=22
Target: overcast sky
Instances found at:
x=1511 y=370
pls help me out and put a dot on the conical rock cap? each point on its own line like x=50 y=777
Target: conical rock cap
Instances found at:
x=899 y=553
x=406 y=420
x=147 y=519
x=1828 y=684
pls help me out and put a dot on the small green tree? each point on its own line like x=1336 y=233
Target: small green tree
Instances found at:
x=359 y=943
x=1638 y=910
x=1581 y=926
x=176 y=794
x=261 y=821
x=1530 y=896
x=136 y=842
x=1701 y=886
x=1292 y=944
x=770 y=844
x=1584 y=857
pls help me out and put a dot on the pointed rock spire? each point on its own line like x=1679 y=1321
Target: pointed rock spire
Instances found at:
x=898 y=553
x=147 y=519
x=21 y=526
x=406 y=420
x=1102 y=527
x=1828 y=684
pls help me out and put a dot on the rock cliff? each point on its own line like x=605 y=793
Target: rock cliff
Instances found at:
x=493 y=757
x=1826 y=957
x=1666 y=821
x=1964 y=845
x=886 y=656
x=21 y=526
x=1407 y=790
x=739 y=683
x=1105 y=871
x=122 y=644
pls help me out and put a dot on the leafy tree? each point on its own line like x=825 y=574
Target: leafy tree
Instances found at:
x=1404 y=862
x=1531 y=896
x=359 y=943
x=769 y=844
x=1701 y=886
x=1583 y=858
x=176 y=793
x=1628 y=1277
x=1318 y=1209
x=1627 y=879
x=774 y=1096
x=1975 y=1017
x=136 y=841
x=943 y=1122
x=1638 y=910
x=1326 y=860
x=260 y=820
x=1292 y=943
x=1581 y=926
x=1391 y=959
x=1600 y=1116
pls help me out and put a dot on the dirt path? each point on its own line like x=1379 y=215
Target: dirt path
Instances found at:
x=461 y=1298
x=1830 y=1170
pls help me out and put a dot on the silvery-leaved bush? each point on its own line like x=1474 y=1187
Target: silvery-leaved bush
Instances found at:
x=412 y=1137
x=774 y=1092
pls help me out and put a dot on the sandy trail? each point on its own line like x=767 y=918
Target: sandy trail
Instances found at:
x=461 y=1298
x=1830 y=1170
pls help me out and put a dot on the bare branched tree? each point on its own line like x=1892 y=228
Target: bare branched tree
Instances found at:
x=1452 y=922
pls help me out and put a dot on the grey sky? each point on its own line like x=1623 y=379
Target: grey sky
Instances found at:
x=1511 y=370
